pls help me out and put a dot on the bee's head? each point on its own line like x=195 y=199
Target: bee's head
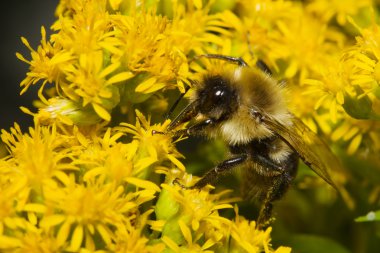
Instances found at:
x=213 y=98
x=216 y=98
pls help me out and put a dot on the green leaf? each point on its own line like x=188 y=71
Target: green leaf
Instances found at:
x=314 y=244
x=371 y=216
x=359 y=108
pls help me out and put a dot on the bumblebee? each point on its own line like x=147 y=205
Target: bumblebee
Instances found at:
x=246 y=108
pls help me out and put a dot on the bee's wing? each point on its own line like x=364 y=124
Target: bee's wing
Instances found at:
x=313 y=151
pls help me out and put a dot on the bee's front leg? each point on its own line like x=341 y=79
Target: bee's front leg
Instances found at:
x=196 y=129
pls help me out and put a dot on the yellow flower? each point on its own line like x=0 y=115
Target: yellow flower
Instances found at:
x=108 y=157
x=41 y=155
x=88 y=79
x=195 y=29
x=190 y=222
x=304 y=44
x=329 y=90
x=115 y=60
x=61 y=111
x=81 y=26
x=14 y=192
x=151 y=148
x=285 y=36
x=93 y=77
x=247 y=237
x=90 y=210
x=337 y=9
x=257 y=23
x=142 y=46
x=130 y=238
x=190 y=217
x=361 y=136
x=46 y=63
x=346 y=88
x=32 y=240
x=363 y=61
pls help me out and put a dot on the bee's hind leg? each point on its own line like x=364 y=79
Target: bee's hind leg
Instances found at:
x=266 y=209
x=276 y=191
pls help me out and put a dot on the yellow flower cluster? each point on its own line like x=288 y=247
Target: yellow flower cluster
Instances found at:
x=72 y=189
x=89 y=174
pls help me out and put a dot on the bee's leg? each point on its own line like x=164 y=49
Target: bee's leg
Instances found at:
x=259 y=63
x=189 y=112
x=239 y=61
x=195 y=129
x=272 y=170
x=280 y=185
x=222 y=168
x=268 y=167
x=172 y=108
x=236 y=60
x=263 y=66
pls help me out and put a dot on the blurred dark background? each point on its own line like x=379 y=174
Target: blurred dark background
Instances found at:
x=20 y=18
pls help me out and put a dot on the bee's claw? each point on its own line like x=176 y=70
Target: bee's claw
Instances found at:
x=176 y=181
x=157 y=132
x=263 y=225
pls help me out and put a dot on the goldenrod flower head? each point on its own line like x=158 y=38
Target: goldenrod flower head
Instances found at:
x=338 y=9
x=114 y=161
x=259 y=20
x=362 y=60
x=40 y=155
x=63 y=111
x=32 y=240
x=189 y=217
x=14 y=190
x=308 y=38
x=355 y=133
x=329 y=90
x=45 y=64
x=246 y=237
x=348 y=90
x=151 y=148
x=87 y=80
x=82 y=25
x=95 y=207
x=131 y=239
